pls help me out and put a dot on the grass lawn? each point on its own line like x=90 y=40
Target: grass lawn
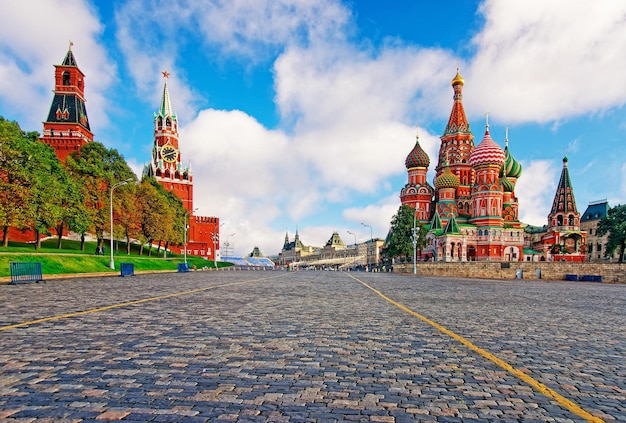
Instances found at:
x=70 y=259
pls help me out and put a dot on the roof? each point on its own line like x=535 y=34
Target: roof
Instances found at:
x=564 y=201
x=595 y=211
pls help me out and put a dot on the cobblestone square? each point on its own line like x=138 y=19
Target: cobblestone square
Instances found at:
x=311 y=347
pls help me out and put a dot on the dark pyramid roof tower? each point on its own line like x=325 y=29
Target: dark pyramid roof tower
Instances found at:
x=67 y=127
x=564 y=201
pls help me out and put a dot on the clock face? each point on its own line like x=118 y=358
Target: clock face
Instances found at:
x=169 y=153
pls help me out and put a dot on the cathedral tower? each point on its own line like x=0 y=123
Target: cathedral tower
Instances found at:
x=417 y=193
x=67 y=127
x=457 y=143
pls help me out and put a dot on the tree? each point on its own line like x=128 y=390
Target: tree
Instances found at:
x=399 y=241
x=614 y=223
x=15 y=195
x=98 y=168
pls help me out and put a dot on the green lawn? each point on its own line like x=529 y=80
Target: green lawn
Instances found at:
x=71 y=259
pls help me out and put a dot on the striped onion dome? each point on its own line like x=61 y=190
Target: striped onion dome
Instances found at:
x=506 y=184
x=447 y=179
x=512 y=167
x=417 y=157
x=487 y=152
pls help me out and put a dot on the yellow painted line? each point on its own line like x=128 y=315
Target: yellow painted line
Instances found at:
x=571 y=406
x=125 y=304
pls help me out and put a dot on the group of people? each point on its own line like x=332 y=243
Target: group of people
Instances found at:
x=100 y=251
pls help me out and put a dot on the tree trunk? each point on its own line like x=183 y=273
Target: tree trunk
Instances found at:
x=127 y=242
x=59 y=230
x=158 y=248
x=5 y=236
x=150 y=248
x=141 y=249
x=37 y=240
x=82 y=242
x=167 y=243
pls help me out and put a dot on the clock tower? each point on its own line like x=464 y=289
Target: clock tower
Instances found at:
x=167 y=168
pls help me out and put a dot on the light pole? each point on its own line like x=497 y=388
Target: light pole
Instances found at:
x=228 y=243
x=111 y=262
x=185 y=233
x=368 y=245
x=414 y=243
x=355 y=248
x=215 y=238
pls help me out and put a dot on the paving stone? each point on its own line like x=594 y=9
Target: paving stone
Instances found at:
x=310 y=347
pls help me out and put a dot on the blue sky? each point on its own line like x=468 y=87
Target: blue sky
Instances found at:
x=299 y=114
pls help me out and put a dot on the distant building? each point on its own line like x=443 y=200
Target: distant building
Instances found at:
x=334 y=254
x=596 y=245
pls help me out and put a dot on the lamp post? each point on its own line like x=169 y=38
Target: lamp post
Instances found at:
x=111 y=262
x=355 y=248
x=215 y=238
x=414 y=243
x=185 y=233
x=228 y=243
x=368 y=245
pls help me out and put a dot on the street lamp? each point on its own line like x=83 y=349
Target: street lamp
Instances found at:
x=215 y=238
x=185 y=233
x=111 y=262
x=368 y=246
x=414 y=243
x=355 y=248
x=228 y=243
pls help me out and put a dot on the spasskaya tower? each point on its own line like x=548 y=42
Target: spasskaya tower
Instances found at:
x=166 y=166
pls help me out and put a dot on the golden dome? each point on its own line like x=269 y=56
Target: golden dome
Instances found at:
x=458 y=79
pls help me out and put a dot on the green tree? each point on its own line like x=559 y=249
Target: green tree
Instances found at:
x=98 y=168
x=399 y=241
x=15 y=195
x=614 y=223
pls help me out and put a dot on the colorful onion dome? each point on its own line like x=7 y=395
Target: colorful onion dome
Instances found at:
x=512 y=168
x=417 y=157
x=458 y=79
x=506 y=184
x=447 y=179
x=487 y=152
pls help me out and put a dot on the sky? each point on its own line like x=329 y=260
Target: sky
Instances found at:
x=298 y=115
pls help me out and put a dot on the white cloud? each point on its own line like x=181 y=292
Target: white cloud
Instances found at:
x=535 y=191
x=543 y=61
x=27 y=55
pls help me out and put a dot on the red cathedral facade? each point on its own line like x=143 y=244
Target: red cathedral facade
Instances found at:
x=471 y=212
x=167 y=168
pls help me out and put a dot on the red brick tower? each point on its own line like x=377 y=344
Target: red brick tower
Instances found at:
x=166 y=167
x=67 y=127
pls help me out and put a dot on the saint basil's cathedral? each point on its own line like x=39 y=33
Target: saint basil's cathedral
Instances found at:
x=67 y=129
x=472 y=211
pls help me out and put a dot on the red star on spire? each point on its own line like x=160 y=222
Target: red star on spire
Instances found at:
x=166 y=74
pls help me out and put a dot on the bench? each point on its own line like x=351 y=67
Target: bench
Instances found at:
x=183 y=267
x=590 y=278
x=25 y=272
x=127 y=269
x=571 y=277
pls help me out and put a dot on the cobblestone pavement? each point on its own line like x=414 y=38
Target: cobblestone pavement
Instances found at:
x=311 y=347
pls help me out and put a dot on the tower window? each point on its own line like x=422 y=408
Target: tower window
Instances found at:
x=66 y=78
